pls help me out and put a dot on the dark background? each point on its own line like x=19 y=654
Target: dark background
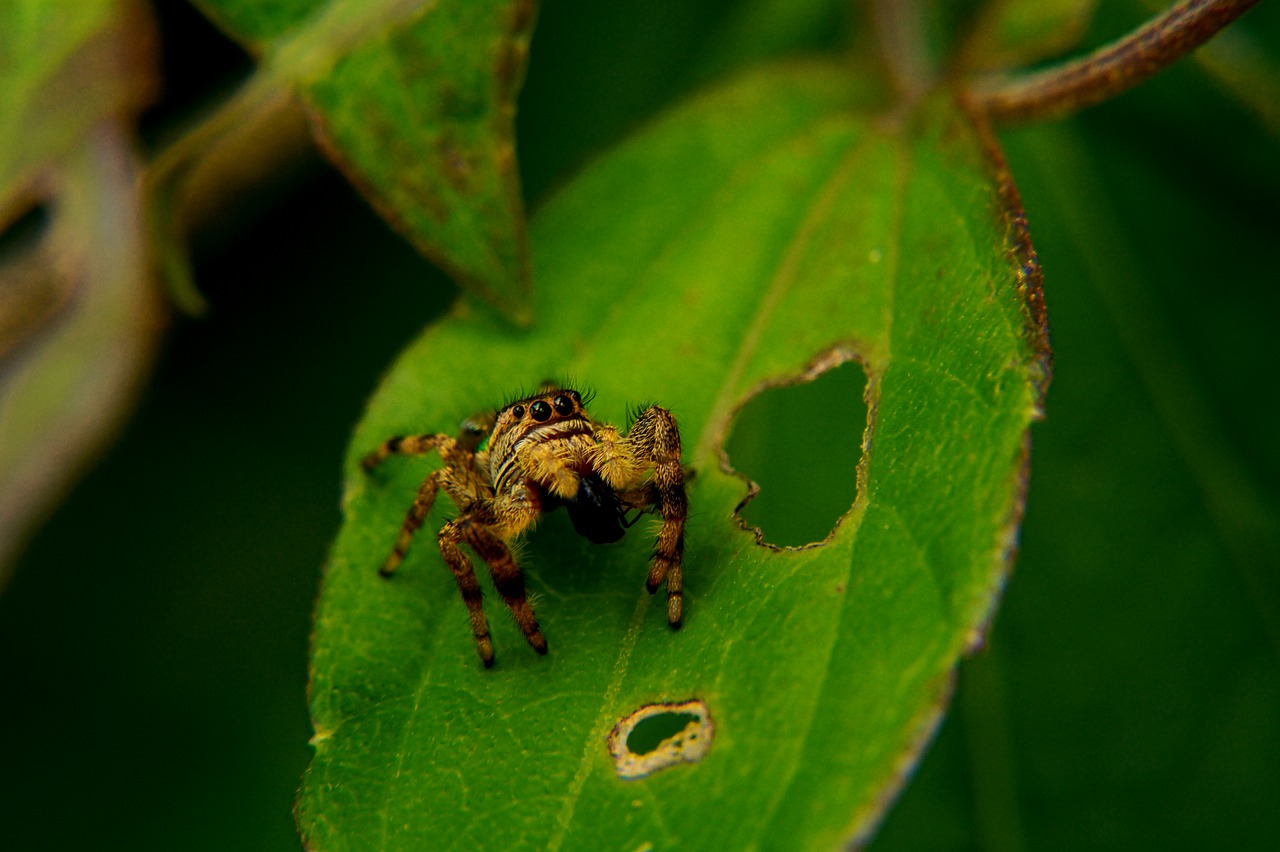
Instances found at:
x=153 y=640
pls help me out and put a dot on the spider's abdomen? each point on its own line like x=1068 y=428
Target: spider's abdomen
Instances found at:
x=595 y=512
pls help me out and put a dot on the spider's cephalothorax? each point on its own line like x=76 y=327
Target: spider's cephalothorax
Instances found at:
x=505 y=469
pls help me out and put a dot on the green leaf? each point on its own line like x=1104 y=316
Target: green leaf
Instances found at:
x=415 y=102
x=765 y=231
x=1153 y=518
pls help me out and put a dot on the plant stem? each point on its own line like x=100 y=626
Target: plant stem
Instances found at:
x=1110 y=70
x=898 y=29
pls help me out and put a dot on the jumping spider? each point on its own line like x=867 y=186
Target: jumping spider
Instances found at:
x=534 y=455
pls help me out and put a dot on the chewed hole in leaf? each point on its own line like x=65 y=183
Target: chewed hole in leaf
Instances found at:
x=657 y=736
x=648 y=734
x=800 y=445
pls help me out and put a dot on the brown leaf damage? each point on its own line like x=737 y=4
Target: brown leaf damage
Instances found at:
x=689 y=744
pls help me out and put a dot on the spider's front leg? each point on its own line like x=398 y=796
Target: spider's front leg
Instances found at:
x=411 y=445
x=413 y=520
x=654 y=439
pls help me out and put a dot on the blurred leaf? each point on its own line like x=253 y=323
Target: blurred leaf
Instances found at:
x=415 y=101
x=600 y=70
x=63 y=67
x=1012 y=33
x=1242 y=62
x=1235 y=61
x=760 y=30
x=1245 y=62
x=78 y=321
x=257 y=24
x=759 y=234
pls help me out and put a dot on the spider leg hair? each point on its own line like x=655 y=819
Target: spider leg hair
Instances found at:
x=413 y=520
x=509 y=582
x=654 y=439
x=412 y=445
x=450 y=535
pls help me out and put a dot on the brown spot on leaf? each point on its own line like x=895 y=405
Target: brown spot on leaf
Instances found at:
x=456 y=163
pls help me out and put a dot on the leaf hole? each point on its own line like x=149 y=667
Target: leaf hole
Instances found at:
x=799 y=445
x=660 y=735
x=649 y=733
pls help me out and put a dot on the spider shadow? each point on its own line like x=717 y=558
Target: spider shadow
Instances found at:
x=564 y=569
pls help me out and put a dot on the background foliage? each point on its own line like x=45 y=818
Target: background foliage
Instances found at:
x=153 y=637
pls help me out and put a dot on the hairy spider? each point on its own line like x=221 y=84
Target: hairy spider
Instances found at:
x=534 y=455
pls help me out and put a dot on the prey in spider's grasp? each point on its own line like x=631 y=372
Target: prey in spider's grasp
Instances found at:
x=505 y=469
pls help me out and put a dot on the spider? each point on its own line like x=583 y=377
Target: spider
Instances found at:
x=507 y=468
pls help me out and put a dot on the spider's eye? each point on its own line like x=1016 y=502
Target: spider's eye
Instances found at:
x=564 y=405
x=518 y=412
x=540 y=410
x=576 y=396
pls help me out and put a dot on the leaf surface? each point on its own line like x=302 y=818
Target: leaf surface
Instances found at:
x=765 y=230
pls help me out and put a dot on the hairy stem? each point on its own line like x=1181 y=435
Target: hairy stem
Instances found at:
x=1110 y=70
